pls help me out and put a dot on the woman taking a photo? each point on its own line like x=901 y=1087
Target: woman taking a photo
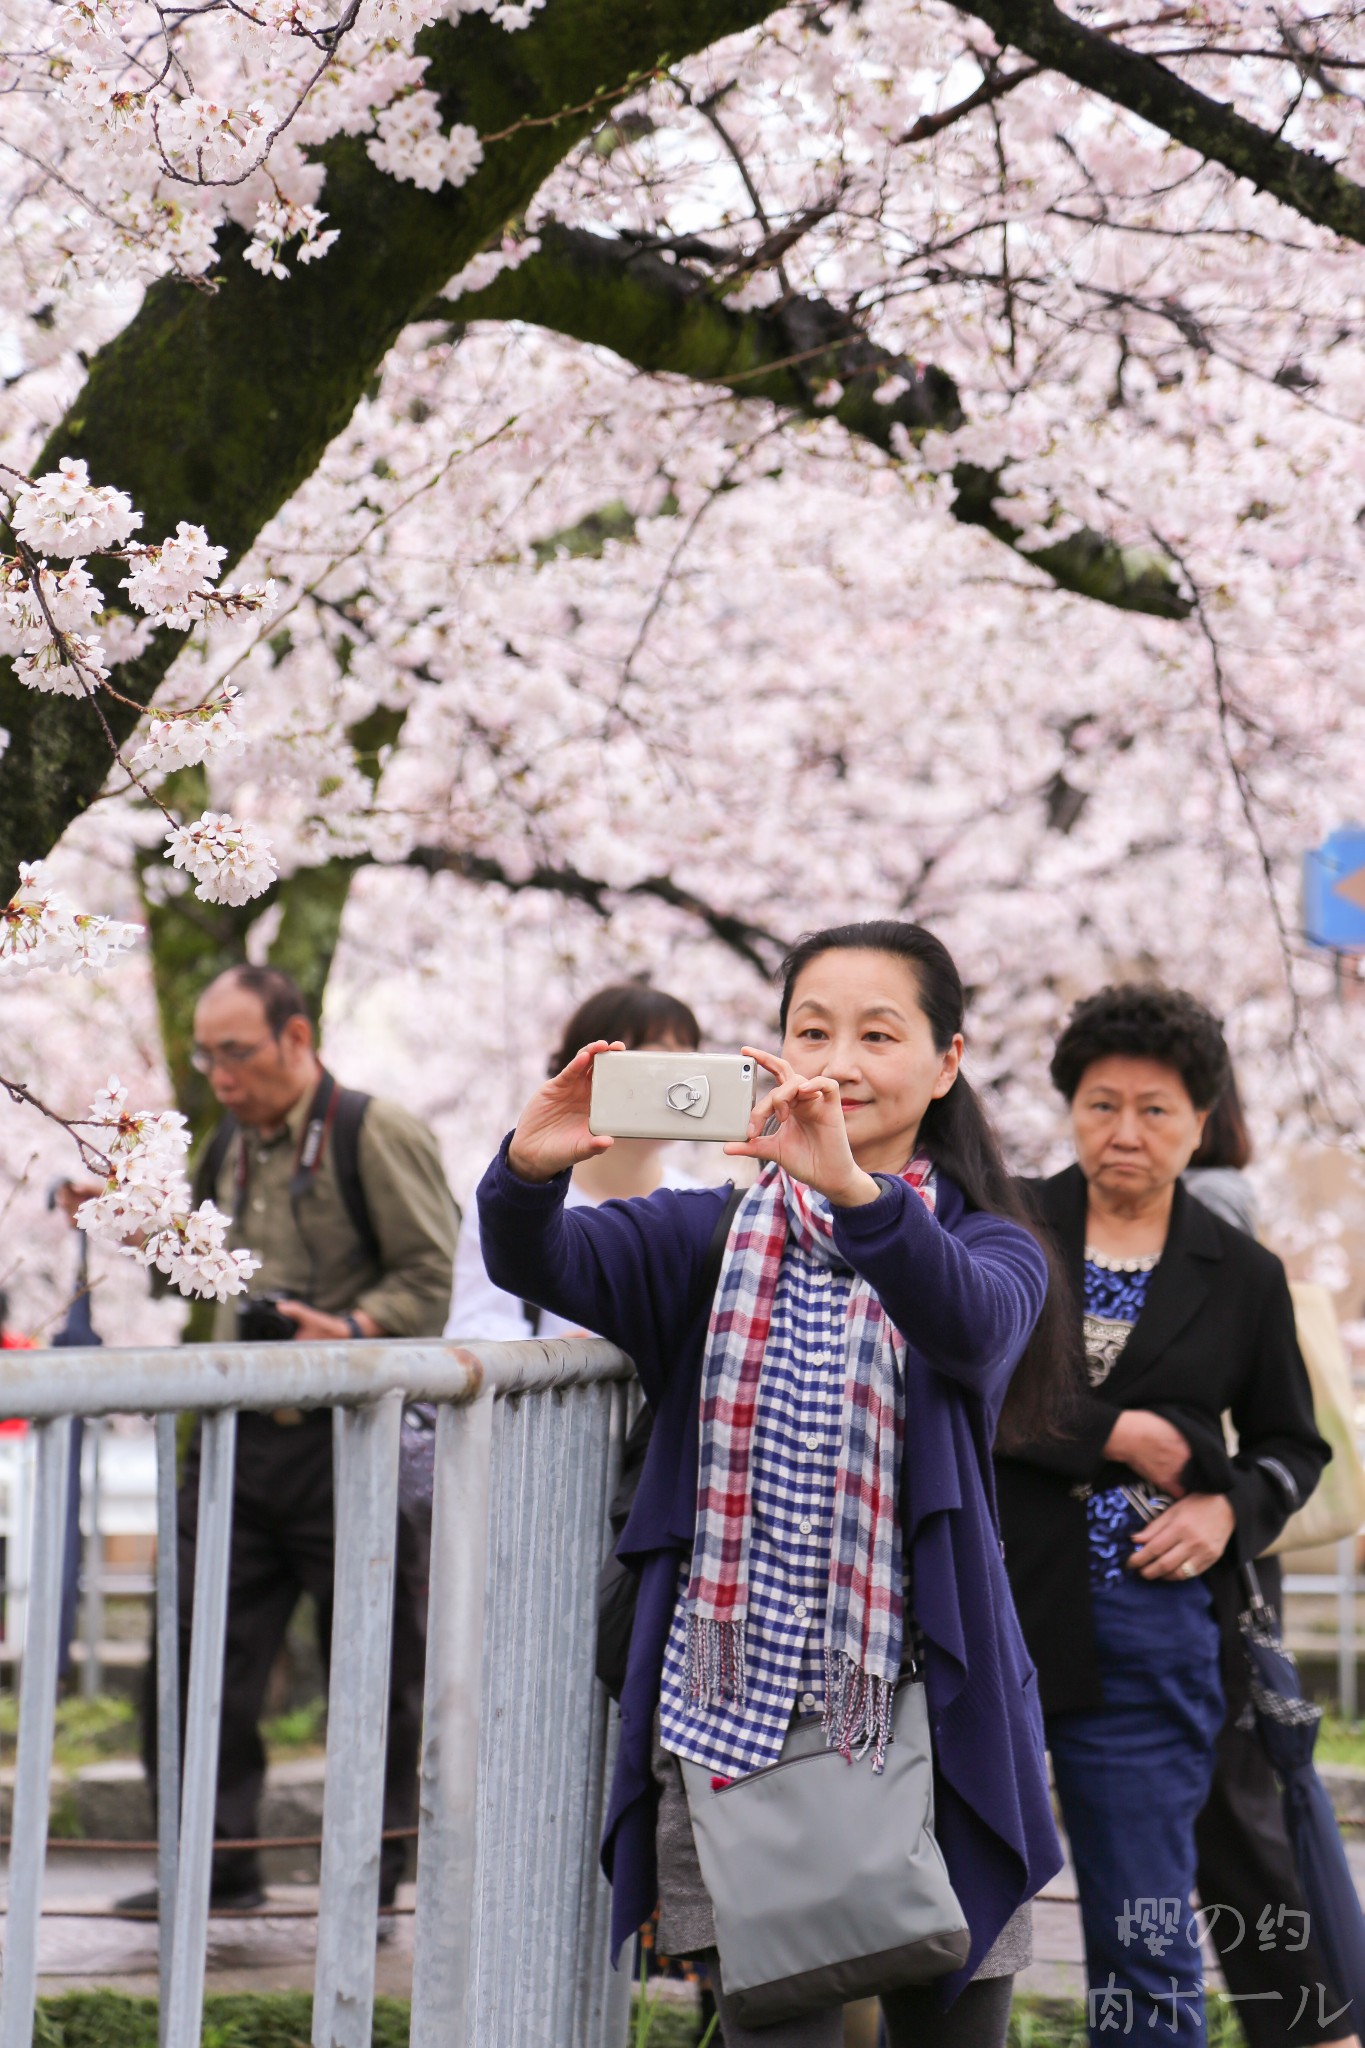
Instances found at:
x=1124 y=1541
x=877 y=1292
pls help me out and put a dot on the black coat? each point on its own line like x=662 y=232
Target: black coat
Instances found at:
x=1216 y=1335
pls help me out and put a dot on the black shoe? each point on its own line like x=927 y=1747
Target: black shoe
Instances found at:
x=140 y=1905
x=238 y=1898
x=222 y=1899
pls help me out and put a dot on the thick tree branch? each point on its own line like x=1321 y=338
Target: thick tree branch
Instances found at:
x=666 y=316
x=754 y=943
x=1299 y=178
x=216 y=407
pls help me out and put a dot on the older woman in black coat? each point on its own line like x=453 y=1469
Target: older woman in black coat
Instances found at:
x=1123 y=1543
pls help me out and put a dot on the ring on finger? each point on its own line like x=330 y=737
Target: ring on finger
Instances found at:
x=1187 y=1570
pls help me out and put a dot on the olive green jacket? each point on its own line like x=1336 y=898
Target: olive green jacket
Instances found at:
x=314 y=1254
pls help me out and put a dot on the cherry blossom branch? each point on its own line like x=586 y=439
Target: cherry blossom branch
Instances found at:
x=142 y=1202
x=1300 y=1044
x=1301 y=180
x=335 y=34
x=92 y=1159
x=717 y=490
x=50 y=623
x=994 y=85
x=753 y=943
x=123 y=227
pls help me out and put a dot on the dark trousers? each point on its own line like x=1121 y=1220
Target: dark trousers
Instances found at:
x=1275 y=1971
x=978 y=2018
x=1132 y=1778
x=283 y=1547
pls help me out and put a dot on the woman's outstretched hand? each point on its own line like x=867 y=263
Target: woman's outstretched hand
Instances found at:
x=809 y=1137
x=552 y=1131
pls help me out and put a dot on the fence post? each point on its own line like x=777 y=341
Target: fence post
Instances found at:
x=185 y=2001
x=167 y=1709
x=357 y=1720
x=92 y=1617
x=37 y=1709
x=448 y=1844
x=606 y=1992
x=539 y=1778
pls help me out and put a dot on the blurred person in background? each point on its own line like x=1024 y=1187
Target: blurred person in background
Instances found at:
x=1245 y=1861
x=642 y=1019
x=1123 y=1543
x=1217 y=1173
x=344 y=1199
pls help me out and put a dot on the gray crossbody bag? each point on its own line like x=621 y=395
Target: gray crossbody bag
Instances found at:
x=826 y=1881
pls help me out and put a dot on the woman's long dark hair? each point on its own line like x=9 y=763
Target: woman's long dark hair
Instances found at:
x=956 y=1134
x=631 y=1011
x=1226 y=1140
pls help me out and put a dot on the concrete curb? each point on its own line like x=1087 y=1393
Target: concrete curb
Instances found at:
x=109 y=1801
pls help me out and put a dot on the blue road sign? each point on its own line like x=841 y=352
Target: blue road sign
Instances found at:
x=1334 y=891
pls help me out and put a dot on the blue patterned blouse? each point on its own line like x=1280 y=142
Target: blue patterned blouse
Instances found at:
x=1115 y=1290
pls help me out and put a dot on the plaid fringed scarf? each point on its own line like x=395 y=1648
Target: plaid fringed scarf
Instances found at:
x=864 y=1612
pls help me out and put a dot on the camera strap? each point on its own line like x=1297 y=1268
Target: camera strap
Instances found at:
x=307 y=1158
x=321 y=1111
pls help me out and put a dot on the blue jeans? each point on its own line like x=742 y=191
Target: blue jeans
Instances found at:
x=1131 y=1779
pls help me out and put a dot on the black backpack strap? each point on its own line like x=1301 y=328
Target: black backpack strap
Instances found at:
x=211 y=1160
x=720 y=1237
x=347 y=1117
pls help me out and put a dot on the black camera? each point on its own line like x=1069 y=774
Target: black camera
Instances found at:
x=260 y=1321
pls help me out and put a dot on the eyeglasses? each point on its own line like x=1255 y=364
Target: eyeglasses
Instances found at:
x=204 y=1058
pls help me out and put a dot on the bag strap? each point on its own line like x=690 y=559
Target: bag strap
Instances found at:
x=212 y=1159
x=720 y=1237
x=347 y=1118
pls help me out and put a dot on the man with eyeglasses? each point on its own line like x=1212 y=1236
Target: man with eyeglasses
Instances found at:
x=344 y=1200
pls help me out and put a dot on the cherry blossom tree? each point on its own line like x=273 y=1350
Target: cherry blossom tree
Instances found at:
x=708 y=470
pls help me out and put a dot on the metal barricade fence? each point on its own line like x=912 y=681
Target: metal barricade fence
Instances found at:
x=511 y=1922
x=1343 y=1584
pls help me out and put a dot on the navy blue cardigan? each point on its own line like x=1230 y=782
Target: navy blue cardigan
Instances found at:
x=965 y=1289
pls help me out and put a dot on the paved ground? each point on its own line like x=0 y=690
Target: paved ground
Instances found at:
x=81 y=1946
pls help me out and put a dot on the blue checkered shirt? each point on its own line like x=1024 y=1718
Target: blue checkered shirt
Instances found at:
x=792 y=1477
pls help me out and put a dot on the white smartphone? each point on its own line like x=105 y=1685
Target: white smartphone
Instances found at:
x=683 y=1095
